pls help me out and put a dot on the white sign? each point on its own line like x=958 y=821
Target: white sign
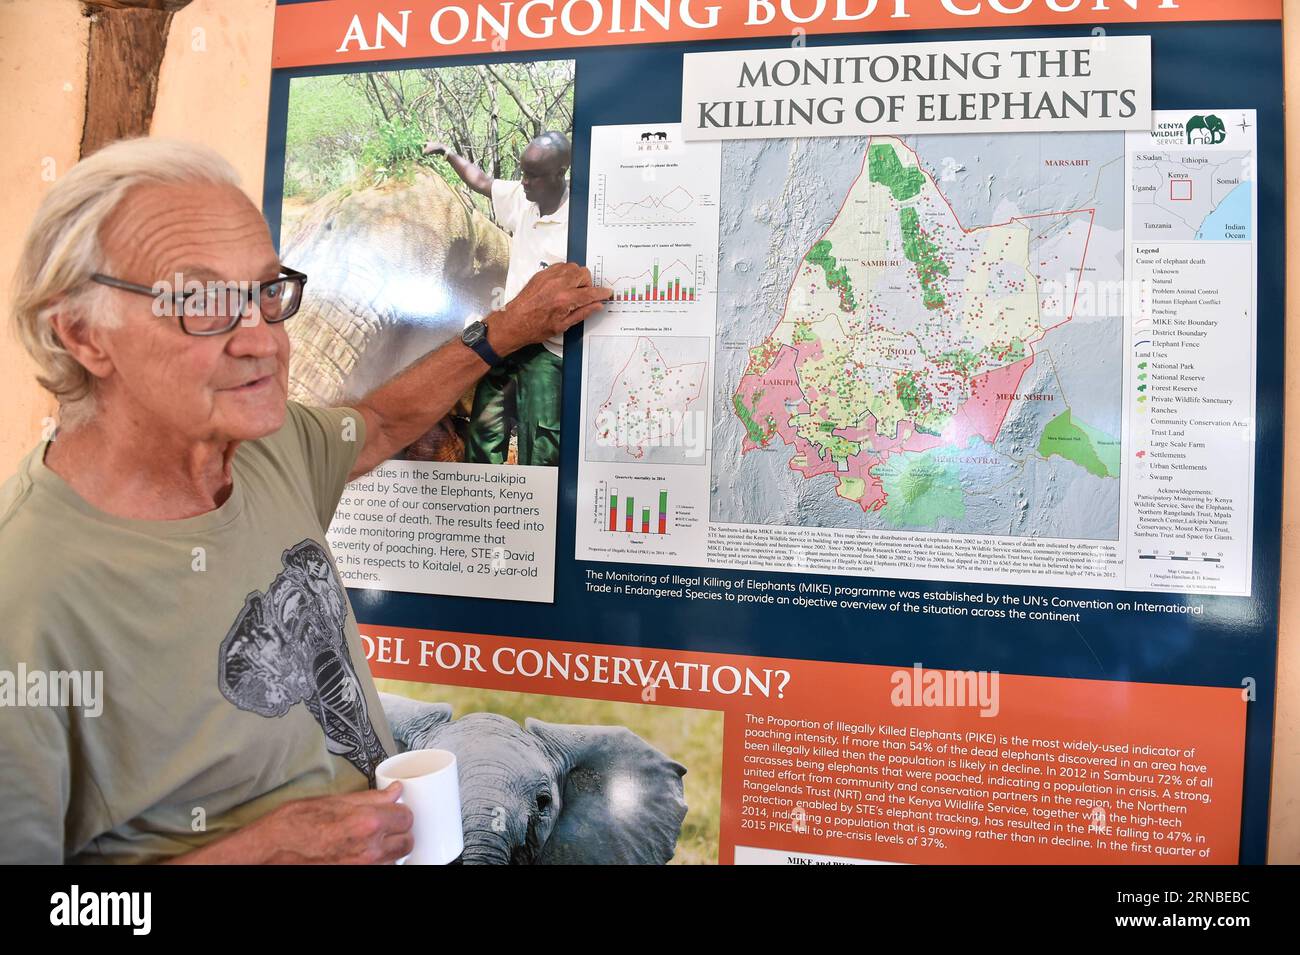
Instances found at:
x=1030 y=85
x=466 y=530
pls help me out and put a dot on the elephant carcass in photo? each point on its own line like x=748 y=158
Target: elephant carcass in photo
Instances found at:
x=551 y=793
x=394 y=271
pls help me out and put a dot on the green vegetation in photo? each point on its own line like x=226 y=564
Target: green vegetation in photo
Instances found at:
x=396 y=150
x=363 y=129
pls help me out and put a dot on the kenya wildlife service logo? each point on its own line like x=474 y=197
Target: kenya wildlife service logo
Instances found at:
x=1205 y=131
x=1185 y=130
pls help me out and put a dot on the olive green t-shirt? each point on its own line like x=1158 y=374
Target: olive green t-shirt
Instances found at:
x=233 y=677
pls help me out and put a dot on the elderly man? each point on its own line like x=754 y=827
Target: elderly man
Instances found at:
x=524 y=390
x=172 y=536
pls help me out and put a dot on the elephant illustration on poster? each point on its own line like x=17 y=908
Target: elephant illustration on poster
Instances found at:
x=551 y=793
x=1206 y=130
x=395 y=270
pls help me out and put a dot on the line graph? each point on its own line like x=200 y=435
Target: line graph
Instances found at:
x=675 y=206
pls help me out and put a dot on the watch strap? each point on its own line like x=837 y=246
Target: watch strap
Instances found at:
x=486 y=351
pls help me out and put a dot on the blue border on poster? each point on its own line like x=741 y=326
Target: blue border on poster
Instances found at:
x=1213 y=66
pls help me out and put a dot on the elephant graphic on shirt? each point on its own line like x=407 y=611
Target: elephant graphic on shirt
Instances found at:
x=288 y=645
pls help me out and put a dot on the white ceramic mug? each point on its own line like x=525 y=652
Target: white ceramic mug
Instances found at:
x=431 y=790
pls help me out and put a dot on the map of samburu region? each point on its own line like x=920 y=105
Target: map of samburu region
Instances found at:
x=906 y=338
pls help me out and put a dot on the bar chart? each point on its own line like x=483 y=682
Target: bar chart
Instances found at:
x=676 y=281
x=623 y=515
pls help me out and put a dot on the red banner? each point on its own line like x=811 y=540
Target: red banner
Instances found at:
x=361 y=31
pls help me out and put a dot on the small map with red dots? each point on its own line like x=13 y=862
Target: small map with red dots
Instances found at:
x=653 y=408
x=905 y=338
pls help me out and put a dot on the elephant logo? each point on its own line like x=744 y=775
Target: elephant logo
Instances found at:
x=653 y=140
x=1206 y=131
x=287 y=646
x=551 y=793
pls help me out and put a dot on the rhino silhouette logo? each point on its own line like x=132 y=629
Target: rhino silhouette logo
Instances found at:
x=1206 y=130
x=287 y=646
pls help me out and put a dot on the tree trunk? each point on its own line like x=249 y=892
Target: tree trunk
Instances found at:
x=127 y=41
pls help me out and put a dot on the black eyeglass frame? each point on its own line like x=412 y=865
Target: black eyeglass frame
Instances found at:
x=286 y=275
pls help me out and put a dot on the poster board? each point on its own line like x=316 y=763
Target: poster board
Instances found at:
x=1077 y=663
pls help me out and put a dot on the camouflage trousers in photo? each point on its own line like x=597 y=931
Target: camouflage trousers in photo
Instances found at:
x=522 y=393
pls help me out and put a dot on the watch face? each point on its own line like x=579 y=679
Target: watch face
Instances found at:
x=474 y=333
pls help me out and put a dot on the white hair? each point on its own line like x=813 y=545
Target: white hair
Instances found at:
x=63 y=249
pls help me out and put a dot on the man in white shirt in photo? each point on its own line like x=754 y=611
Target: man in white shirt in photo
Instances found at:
x=523 y=391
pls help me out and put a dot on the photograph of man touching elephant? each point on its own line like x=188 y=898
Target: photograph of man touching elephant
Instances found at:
x=522 y=394
x=544 y=779
x=412 y=254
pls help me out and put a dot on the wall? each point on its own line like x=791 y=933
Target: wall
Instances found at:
x=214 y=87
x=43 y=68
x=1284 y=835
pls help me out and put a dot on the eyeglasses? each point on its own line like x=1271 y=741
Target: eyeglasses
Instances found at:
x=214 y=308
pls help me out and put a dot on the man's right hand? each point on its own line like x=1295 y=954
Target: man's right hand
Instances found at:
x=361 y=828
x=554 y=299
x=470 y=174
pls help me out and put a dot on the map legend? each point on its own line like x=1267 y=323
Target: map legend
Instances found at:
x=1191 y=379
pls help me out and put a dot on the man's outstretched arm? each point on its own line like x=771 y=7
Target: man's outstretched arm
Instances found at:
x=470 y=174
x=408 y=405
